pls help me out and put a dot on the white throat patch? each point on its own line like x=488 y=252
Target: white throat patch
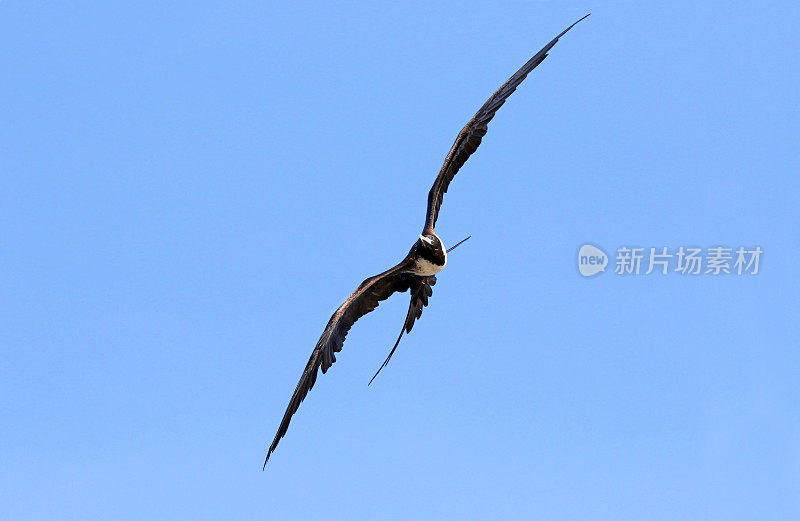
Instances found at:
x=425 y=267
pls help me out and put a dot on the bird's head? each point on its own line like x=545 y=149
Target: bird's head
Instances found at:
x=431 y=242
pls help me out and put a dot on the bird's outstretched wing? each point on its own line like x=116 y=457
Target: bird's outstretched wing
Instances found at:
x=470 y=136
x=363 y=300
x=421 y=290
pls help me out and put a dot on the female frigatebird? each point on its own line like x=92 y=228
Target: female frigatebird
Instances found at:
x=417 y=271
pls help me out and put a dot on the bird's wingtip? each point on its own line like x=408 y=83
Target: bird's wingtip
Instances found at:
x=264 y=466
x=584 y=17
x=568 y=28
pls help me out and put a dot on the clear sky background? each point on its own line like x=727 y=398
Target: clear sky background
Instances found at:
x=187 y=192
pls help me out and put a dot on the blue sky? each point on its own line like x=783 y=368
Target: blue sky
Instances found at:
x=188 y=192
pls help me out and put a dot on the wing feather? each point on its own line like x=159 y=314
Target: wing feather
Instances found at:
x=363 y=300
x=470 y=136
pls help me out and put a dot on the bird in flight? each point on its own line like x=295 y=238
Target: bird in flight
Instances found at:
x=417 y=271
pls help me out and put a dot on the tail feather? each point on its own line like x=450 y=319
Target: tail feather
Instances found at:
x=392 y=351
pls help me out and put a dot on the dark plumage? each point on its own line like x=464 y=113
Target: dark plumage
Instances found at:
x=416 y=272
x=470 y=136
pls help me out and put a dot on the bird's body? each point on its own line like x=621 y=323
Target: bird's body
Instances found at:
x=416 y=273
